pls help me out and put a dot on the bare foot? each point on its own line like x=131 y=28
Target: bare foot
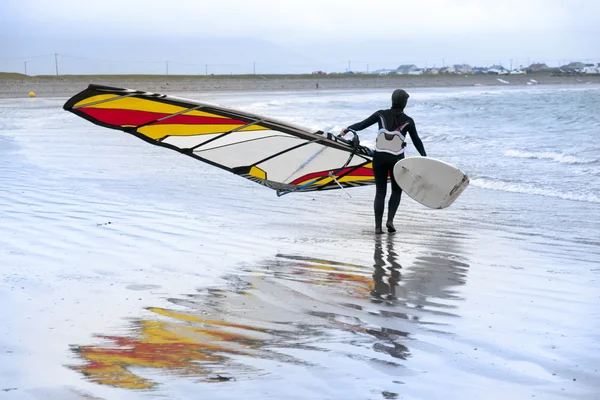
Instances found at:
x=390 y=227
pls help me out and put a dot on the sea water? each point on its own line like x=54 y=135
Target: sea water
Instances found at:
x=532 y=153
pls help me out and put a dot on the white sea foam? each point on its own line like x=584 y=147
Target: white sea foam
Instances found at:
x=531 y=189
x=267 y=104
x=549 y=155
x=449 y=137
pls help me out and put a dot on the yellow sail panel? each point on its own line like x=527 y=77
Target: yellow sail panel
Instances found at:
x=355 y=178
x=93 y=99
x=257 y=173
x=253 y=128
x=137 y=104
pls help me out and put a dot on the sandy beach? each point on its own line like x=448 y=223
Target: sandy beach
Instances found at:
x=132 y=272
x=49 y=86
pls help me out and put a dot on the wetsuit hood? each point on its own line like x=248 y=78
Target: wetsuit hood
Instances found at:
x=399 y=98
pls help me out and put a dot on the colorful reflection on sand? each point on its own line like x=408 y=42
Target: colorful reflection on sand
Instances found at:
x=289 y=302
x=184 y=344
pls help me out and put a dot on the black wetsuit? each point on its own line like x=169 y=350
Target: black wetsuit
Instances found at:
x=383 y=163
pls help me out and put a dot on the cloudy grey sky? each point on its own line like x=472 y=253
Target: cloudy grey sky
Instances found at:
x=277 y=36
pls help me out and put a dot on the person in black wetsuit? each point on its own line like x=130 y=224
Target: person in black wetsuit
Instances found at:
x=389 y=148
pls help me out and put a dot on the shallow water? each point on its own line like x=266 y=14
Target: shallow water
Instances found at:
x=133 y=272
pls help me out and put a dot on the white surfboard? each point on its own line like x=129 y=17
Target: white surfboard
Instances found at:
x=431 y=182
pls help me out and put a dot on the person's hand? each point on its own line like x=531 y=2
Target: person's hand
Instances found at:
x=342 y=132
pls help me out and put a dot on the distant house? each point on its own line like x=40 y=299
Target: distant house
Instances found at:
x=537 y=67
x=431 y=71
x=463 y=68
x=447 y=70
x=574 y=66
x=384 y=71
x=497 y=69
x=591 y=69
x=407 y=69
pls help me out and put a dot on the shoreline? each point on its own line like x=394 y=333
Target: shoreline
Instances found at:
x=51 y=86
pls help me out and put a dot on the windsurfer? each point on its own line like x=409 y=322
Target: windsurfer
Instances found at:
x=389 y=148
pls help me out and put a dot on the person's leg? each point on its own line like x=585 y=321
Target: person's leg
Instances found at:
x=380 y=172
x=394 y=201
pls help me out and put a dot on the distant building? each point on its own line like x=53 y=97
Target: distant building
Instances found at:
x=463 y=69
x=384 y=71
x=574 y=66
x=408 y=69
x=447 y=70
x=497 y=69
x=591 y=69
x=537 y=67
x=431 y=71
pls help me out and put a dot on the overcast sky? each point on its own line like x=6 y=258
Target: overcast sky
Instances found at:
x=239 y=36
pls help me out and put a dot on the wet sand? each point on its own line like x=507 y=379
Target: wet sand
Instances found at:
x=131 y=272
x=69 y=85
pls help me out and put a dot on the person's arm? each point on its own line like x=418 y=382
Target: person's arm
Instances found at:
x=414 y=136
x=359 y=126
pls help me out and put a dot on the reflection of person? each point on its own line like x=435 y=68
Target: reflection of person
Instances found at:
x=389 y=148
x=381 y=288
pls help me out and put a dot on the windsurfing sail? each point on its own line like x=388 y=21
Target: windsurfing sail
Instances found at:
x=276 y=154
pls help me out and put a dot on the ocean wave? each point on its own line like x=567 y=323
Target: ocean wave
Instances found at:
x=591 y=171
x=266 y=105
x=461 y=139
x=524 y=188
x=549 y=155
x=429 y=106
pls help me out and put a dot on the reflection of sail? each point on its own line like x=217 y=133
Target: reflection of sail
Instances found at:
x=290 y=309
x=175 y=345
